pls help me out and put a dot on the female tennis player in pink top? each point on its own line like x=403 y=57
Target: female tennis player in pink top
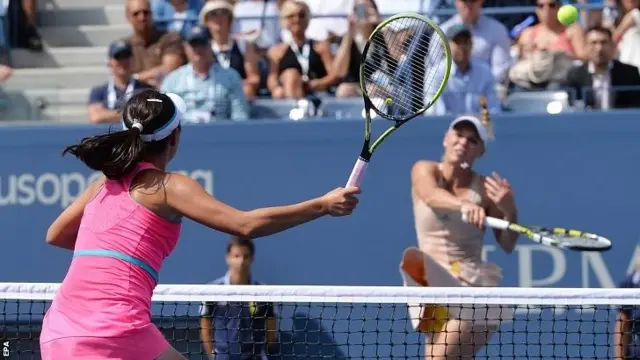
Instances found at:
x=123 y=227
x=450 y=250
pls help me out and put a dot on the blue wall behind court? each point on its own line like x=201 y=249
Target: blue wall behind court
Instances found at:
x=577 y=170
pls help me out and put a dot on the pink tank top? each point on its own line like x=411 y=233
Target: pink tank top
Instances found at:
x=561 y=43
x=107 y=290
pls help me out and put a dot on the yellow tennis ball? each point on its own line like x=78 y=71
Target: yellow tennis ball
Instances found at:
x=389 y=101
x=567 y=14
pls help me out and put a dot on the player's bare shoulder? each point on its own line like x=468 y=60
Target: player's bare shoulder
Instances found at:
x=423 y=169
x=424 y=164
x=177 y=182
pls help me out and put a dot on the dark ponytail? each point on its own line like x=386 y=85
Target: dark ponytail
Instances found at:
x=116 y=154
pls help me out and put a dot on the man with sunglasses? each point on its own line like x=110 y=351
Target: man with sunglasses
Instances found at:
x=491 y=42
x=155 y=52
x=105 y=99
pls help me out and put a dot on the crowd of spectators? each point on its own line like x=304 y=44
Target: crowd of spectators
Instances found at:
x=193 y=48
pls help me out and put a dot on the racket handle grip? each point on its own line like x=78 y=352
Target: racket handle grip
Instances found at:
x=357 y=173
x=491 y=222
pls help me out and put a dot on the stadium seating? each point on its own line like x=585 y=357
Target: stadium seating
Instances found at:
x=54 y=84
x=57 y=81
x=552 y=102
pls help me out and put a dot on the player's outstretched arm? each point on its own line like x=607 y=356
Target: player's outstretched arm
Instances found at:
x=188 y=197
x=424 y=177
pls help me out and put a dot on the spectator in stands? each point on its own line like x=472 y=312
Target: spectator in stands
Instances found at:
x=300 y=66
x=236 y=330
x=155 y=52
x=469 y=78
x=346 y=64
x=549 y=35
x=592 y=17
x=626 y=336
x=210 y=91
x=105 y=99
x=546 y=51
x=490 y=38
x=604 y=74
x=175 y=15
x=28 y=28
x=627 y=32
x=241 y=56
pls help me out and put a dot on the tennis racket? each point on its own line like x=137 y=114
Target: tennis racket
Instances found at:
x=404 y=69
x=556 y=237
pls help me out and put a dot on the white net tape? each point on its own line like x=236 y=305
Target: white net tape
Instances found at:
x=360 y=322
x=360 y=294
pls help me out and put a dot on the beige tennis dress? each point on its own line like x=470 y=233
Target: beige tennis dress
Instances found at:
x=449 y=254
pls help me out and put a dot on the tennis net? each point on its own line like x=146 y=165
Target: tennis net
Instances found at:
x=351 y=322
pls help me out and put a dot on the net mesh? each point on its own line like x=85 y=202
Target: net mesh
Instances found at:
x=317 y=322
x=402 y=66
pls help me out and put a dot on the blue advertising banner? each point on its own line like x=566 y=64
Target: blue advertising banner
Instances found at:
x=575 y=170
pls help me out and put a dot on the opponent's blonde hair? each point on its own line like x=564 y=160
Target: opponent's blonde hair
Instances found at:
x=485 y=118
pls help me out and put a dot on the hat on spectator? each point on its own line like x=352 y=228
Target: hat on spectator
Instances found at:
x=196 y=33
x=119 y=47
x=212 y=5
x=457 y=30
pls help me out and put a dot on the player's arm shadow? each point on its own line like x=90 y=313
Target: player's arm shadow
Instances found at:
x=307 y=340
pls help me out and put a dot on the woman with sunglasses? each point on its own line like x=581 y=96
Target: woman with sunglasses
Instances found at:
x=550 y=35
x=299 y=66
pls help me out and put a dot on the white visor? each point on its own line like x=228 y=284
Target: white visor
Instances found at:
x=480 y=128
x=170 y=126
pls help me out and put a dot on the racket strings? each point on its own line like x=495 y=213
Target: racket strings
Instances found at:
x=405 y=93
x=403 y=66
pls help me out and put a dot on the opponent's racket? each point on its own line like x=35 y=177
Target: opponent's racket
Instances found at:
x=404 y=69
x=557 y=237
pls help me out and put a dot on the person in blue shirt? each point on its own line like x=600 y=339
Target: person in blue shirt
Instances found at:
x=105 y=99
x=627 y=331
x=469 y=79
x=491 y=42
x=238 y=330
x=175 y=15
x=210 y=91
